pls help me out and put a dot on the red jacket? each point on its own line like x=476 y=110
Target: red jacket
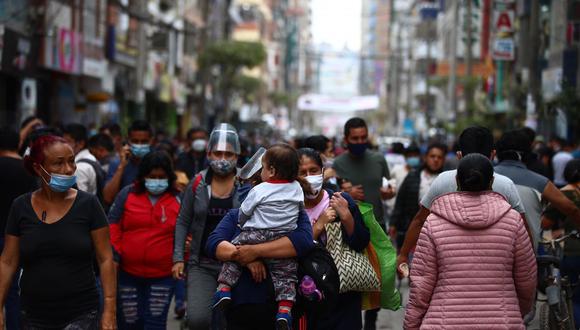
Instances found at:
x=142 y=234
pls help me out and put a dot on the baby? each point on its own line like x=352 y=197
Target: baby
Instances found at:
x=270 y=211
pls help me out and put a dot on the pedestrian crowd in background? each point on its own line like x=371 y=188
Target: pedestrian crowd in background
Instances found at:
x=105 y=229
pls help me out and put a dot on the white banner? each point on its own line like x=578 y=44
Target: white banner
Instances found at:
x=316 y=102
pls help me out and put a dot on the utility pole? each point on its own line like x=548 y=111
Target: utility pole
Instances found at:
x=203 y=72
x=452 y=84
x=141 y=58
x=534 y=49
x=468 y=90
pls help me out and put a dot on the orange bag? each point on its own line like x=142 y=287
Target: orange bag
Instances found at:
x=372 y=300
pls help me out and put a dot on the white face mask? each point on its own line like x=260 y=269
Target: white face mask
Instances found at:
x=199 y=145
x=316 y=185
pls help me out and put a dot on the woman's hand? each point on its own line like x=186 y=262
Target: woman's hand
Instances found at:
x=258 y=271
x=246 y=254
x=108 y=321
x=177 y=270
x=340 y=205
x=328 y=216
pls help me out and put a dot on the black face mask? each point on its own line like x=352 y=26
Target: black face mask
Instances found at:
x=357 y=149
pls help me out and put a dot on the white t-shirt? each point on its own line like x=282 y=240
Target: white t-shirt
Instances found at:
x=85 y=173
x=559 y=163
x=446 y=183
x=272 y=206
x=425 y=183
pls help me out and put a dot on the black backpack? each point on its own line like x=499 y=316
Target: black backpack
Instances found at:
x=319 y=265
x=101 y=176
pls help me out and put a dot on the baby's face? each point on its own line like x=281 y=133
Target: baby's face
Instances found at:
x=268 y=172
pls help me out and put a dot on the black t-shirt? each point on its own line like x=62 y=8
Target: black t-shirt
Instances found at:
x=216 y=210
x=14 y=181
x=58 y=282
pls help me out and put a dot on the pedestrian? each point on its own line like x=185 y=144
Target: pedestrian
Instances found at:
x=54 y=233
x=475 y=139
x=142 y=221
x=15 y=181
x=531 y=158
x=563 y=154
x=325 y=148
x=210 y=195
x=474 y=265
x=323 y=207
x=396 y=155
x=412 y=190
x=101 y=146
x=533 y=188
x=253 y=305
x=270 y=211
x=87 y=165
x=194 y=159
x=123 y=172
x=365 y=169
x=553 y=218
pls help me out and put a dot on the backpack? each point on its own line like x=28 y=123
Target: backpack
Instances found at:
x=101 y=176
x=319 y=265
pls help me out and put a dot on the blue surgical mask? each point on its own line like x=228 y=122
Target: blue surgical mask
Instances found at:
x=140 y=150
x=414 y=162
x=58 y=182
x=156 y=186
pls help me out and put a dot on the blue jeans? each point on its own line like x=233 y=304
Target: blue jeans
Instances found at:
x=12 y=305
x=570 y=267
x=143 y=303
x=179 y=294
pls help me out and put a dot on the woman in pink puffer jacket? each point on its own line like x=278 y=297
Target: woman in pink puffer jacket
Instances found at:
x=474 y=267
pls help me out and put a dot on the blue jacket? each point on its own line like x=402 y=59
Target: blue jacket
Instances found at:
x=247 y=291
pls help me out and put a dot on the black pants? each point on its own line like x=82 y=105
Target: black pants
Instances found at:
x=252 y=317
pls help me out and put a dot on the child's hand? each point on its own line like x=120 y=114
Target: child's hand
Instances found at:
x=258 y=271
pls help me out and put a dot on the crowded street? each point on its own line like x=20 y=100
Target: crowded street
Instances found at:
x=289 y=164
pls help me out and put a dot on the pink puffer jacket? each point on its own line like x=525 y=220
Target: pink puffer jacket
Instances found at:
x=473 y=268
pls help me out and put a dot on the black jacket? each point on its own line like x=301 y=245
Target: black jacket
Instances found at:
x=407 y=202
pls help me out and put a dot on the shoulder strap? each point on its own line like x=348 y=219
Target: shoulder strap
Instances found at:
x=196 y=183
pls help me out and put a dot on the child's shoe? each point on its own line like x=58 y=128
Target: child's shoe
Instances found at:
x=283 y=321
x=222 y=299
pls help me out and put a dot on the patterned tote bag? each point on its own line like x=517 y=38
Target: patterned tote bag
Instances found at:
x=354 y=269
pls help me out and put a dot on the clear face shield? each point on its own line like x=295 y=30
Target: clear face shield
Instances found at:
x=224 y=138
x=253 y=165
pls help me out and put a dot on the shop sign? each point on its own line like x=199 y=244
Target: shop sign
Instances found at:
x=503 y=49
x=503 y=16
x=62 y=51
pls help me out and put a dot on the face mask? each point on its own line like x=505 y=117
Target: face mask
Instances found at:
x=222 y=166
x=140 y=150
x=199 y=145
x=315 y=184
x=58 y=182
x=414 y=162
x=329 y=162
x=357 y=149
x=156 y=186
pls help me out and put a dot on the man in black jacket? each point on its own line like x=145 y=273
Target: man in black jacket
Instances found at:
x=415 y=185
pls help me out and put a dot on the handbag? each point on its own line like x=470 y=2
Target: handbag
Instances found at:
x=354 y=269
x=372 y=300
